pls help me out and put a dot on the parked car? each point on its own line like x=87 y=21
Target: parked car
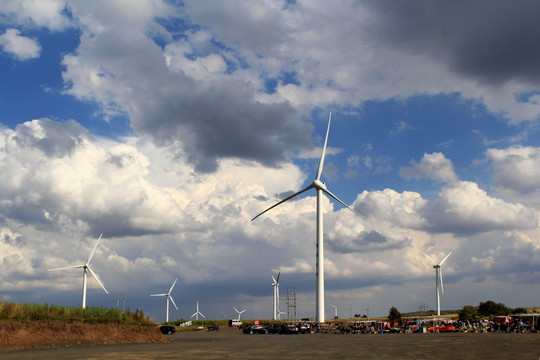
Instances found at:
x=255 y=329
x=167 y=329
x=288 y=330
x=272 y=329
x=235 y=322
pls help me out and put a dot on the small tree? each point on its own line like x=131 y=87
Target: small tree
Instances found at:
x=520 y=310
x=468 y=313
x=394 y=314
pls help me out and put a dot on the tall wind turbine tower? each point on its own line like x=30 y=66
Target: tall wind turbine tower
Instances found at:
x=275 y=285
x=86 y=267
x=320 y=188
x=169 y=297
x=439 y=288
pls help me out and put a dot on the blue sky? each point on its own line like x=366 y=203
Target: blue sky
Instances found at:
x=169 y=126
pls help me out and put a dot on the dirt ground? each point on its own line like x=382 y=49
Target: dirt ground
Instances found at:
x=233 y=344
x=19 y=334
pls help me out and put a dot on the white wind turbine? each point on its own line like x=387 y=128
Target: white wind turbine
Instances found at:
x=197 y=313
x=169 y=297
x=239 y=312
x=439 y=288
x=275 y=285
x=85 y=267
x=335 y=311
x=320 y=187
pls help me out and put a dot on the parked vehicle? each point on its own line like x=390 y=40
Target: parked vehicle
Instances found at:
x=288 y=330
x=167 y=329
x=235 y=322
x=272 y=329
x=255 y=329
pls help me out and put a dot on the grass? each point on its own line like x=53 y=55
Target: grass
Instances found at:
x=92 y=315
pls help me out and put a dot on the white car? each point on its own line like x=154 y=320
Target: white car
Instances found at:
x=235 y=322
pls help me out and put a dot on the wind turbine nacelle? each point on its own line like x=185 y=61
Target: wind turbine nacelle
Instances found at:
x=318 y=184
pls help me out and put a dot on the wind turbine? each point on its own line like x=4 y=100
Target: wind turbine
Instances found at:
x=439 y=288
x=85 y=267
x=169 y=297
x=320 y=187
x=198 y=313
x=239 y=312
x=275 y=285
x=335 y=311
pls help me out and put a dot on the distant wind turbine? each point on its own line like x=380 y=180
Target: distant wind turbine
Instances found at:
x=275 y=285
x=239 y=312
x=335 y=311
x=197 y=313
x=439 y=288
x=320 y=187
x=85 y=267
x=169 y=297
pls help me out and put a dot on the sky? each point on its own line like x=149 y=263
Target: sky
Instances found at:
x=167 y=126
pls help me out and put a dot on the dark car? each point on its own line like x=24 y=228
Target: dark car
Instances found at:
x=167 y=329
x=272 y=329
x=255 y=329
x=288 y=330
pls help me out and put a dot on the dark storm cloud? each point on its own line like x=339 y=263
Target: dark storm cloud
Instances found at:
x=492 y=41
x=367 y=242
x=54 y=139
x=207 y=120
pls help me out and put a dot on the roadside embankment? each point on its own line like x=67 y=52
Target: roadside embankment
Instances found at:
x=29 y=334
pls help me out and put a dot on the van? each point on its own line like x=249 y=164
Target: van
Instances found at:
x=235 y=322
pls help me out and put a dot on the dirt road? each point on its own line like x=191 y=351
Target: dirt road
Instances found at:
x=232 y=344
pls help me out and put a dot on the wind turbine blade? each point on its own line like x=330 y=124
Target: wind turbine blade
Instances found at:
x=202 y=315
x=342 y=203
x=241 y=312
x=67 y=267
x=282 y=201
x=277 y=280
x=432 y=259
x=97 y=279
x=446 y=257
x=170 y=297
x=172 y=286
x=193 y=315
x=235 y=309
x=159 y=294
x=93 y=250
x=440 y=280
x=321 y=161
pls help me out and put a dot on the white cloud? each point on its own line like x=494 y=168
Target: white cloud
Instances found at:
x=48 y=14
x=516 y=168
x=464 y=207
x=434 y=166
x=22 y=47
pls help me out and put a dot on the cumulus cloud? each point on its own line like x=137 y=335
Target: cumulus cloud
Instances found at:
x=49 y=14
x=463 y=207
x=434 y=166
x=516 y=168
x=51 y=171
x=21 y=47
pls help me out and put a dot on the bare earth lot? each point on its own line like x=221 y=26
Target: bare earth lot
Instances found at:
x=233 y=344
